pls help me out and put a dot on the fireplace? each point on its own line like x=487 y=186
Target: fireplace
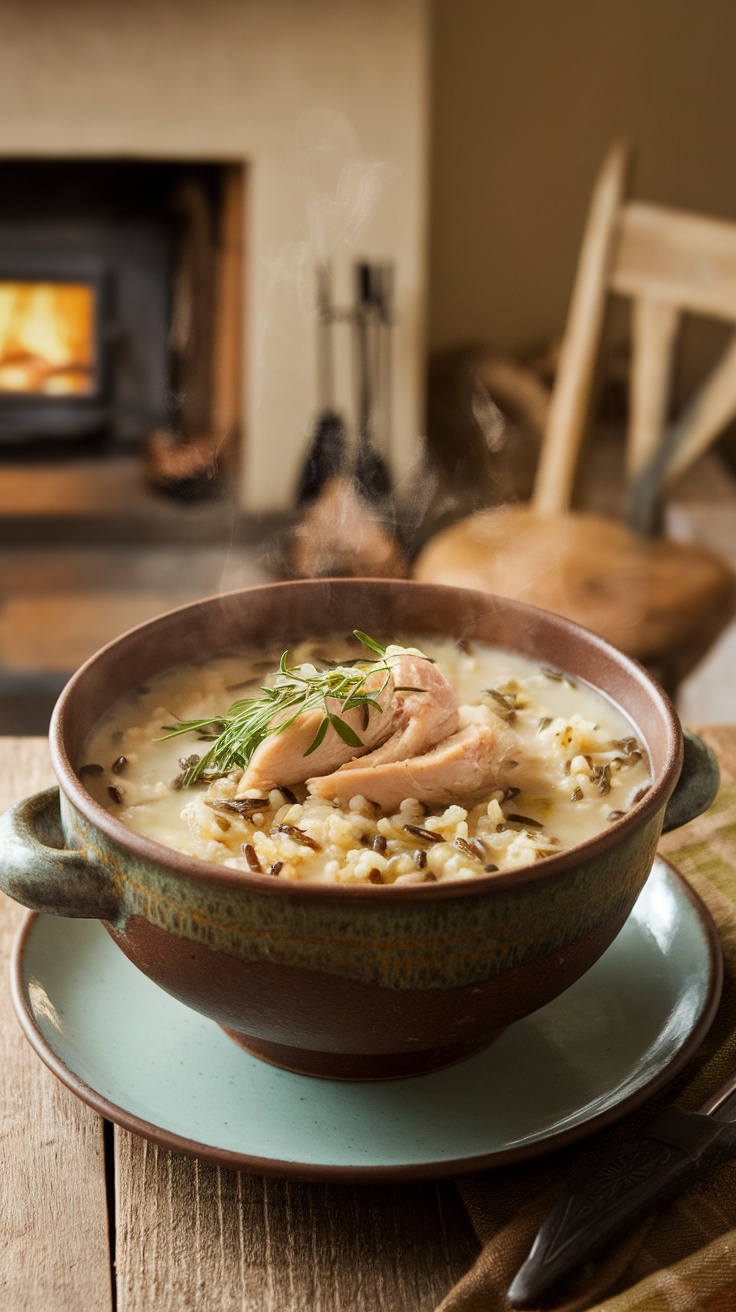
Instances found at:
x=54 y=382
x=49 y=337
x=109 y=301
x=321 y=109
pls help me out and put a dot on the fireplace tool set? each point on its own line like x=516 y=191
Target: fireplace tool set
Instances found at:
x=330 y=454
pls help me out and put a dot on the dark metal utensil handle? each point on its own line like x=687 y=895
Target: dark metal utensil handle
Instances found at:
x=639 y=1172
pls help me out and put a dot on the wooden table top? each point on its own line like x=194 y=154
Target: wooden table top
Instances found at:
x=94 y=1218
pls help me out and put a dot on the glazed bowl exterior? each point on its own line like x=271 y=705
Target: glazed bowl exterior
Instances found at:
x=346 y=981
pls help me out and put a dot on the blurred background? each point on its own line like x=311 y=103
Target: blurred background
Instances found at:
x=283 y=291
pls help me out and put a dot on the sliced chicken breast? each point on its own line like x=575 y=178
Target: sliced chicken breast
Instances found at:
x=459 y=768
x=419 y=710
x=280 y=758
x=424 y=710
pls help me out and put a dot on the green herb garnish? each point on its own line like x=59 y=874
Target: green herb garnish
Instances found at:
x=251 y=719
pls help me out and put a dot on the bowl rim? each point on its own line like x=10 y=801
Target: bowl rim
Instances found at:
x=198 y=870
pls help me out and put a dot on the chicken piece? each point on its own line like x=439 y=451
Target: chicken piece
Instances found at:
x=458 y=769
x=280 y=758
x=410 y=723
x=420 y=719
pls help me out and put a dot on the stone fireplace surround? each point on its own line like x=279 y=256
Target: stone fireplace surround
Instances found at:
x=325 y=105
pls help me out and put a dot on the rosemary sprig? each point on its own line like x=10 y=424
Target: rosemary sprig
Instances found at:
x=251 y=719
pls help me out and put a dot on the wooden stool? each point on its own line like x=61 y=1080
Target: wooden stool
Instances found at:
x=663 y=602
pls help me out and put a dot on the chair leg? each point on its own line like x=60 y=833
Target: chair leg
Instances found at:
x=570 y=399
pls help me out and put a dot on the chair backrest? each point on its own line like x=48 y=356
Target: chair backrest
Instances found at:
x=668 y=263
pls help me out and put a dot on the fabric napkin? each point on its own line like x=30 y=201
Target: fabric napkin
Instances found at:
x=682 y=1258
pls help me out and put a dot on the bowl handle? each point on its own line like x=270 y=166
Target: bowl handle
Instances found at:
x=697 y=786
x=39 y=871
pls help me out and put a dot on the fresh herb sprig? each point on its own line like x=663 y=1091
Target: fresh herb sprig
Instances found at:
x=251 y=719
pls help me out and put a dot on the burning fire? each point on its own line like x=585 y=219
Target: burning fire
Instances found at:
x=46 y=338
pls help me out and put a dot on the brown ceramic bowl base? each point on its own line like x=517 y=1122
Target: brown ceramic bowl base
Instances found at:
x=374 y=1033
x=347 y=1066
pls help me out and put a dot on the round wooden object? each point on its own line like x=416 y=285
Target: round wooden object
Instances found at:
x=663 y=602
x=342 y=535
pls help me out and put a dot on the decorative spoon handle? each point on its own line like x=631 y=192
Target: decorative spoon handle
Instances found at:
x=640 y=1172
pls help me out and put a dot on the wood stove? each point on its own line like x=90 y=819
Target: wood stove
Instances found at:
x=107 y=285
x=55 y=333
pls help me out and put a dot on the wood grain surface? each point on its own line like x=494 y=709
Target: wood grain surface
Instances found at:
x=55 y=1253
x=191 y=1235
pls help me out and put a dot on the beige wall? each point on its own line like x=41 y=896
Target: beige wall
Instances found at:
x=327 y=102
x=527 y=94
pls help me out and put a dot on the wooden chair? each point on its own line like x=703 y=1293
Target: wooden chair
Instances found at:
x=664 y=602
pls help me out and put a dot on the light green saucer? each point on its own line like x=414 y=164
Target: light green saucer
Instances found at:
x=151 y=1064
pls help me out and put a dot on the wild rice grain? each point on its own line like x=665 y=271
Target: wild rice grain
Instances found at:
x=525 y=820
x=428 y=835
x=290 y=797
x=463 y=846
x=504 y=699
x=249 y=852
x=245 y=806
x=299 y=836
x=627 y=745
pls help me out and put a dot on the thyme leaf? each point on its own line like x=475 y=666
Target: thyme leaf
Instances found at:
x=347 y=734
x=370 y=643
x=318 y=737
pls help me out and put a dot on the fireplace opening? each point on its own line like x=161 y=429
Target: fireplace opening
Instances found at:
x=120 y=305
x=47 y=338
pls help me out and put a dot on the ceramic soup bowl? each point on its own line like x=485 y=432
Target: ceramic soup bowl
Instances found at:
x=335 y=980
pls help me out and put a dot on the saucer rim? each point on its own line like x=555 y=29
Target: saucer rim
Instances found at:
x=401 y=1173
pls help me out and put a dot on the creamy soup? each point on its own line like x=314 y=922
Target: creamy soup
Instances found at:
x=452 y=761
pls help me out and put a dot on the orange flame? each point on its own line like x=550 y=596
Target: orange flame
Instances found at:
x=46 y=338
